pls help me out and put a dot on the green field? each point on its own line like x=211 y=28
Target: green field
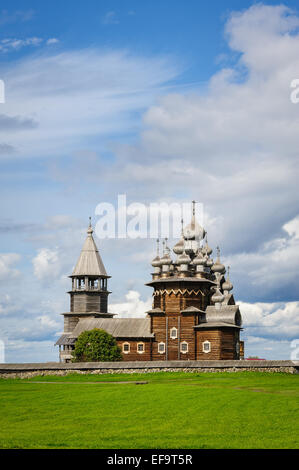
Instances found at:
x=173 y=410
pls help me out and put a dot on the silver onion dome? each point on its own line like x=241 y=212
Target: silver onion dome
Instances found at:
x=207 y=249
x=199 y=259
x=227 y=285
x=217 y=297
x=218 y=267
x=156 y=263
x=183 y=258
x=179 y=247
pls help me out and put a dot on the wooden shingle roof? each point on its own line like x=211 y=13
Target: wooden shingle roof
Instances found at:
x=90 y=262
x=119 y=328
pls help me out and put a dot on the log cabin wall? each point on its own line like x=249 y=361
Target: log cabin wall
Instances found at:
x=172 y=299
x=223 y=344
x=133 y=354
x=159 y=327
x=85 y=302
x=70 y=323
x=229 y=341
x=188 y=335
x=214 y=337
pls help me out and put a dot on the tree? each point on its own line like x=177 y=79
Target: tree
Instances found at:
x=96 y=345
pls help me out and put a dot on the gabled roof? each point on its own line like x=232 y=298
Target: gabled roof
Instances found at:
x=226 y=313
x=90 y=262
x=192 y=309
x=119 y=328
x=220 y=324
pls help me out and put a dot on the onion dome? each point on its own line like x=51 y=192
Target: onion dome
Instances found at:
x=183 y=258
x=227 y=285
x=199 y=260
x=166 y=259
x=218 y=267
x=179 y=247
x=156 y=263
x=209 y=262
x=207 y=249
x=217 y=297
x=194 y=231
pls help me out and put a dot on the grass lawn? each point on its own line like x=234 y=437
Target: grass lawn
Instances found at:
x=173 y=410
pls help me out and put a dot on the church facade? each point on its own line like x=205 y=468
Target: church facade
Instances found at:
x=193 y=315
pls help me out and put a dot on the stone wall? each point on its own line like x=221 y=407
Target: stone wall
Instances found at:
x=62 y=369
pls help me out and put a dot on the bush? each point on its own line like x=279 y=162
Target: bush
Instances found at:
x=96 y=346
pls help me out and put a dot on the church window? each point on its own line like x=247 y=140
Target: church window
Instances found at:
x=206 y=346
x=126 y=348
x=173 y=333
x=184 y=347
x=161 y=348
x=140 y=348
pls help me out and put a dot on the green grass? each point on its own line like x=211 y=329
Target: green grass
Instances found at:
x=173 y=410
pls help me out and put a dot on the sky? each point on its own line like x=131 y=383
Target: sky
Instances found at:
x=161 y=101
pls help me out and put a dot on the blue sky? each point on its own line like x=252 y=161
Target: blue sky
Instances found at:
x=161 y=101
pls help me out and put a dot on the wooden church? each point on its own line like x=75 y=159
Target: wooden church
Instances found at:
x=193 y=315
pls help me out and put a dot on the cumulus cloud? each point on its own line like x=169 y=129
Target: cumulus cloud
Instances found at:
x=46 y=264
x=7 y=263
x=275 y=320
x=132 y=307
x=273 y=267
x=268 y=348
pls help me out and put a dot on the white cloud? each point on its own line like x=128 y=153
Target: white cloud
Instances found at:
x=292 y=228
x=46 y=321
x=274 y=265
x=9 y=44
x=46 y=264
x=14 y=44
x=132 y=307
x=7 y=269
x=79 y=95
x=267 y=348
x=52 y=41
x=278 y=320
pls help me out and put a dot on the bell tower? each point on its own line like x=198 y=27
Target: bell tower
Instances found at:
x=89 y=293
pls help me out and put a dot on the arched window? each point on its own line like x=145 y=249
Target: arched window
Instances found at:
x=206 y=346
x=126 y=348
x=140 y=348
x=173 y=333
x=161 y=348
x=184 y=347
